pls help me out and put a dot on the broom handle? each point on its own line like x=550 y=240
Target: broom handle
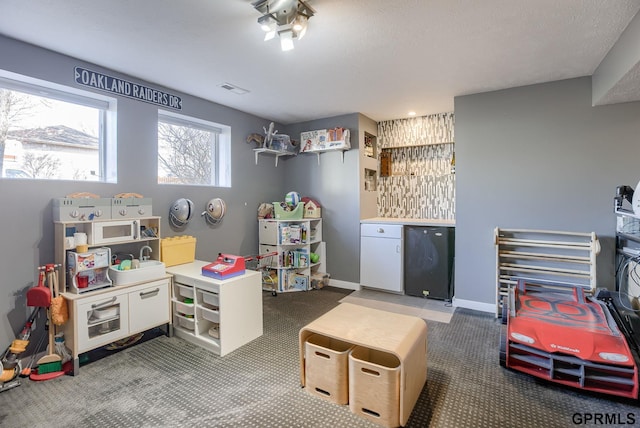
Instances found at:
x=52 y=327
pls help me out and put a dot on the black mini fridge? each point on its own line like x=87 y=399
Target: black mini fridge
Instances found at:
x=428 y=261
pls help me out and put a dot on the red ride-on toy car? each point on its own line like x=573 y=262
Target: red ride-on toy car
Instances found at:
x=565 y=337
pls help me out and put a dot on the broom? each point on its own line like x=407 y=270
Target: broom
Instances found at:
x=51 y=362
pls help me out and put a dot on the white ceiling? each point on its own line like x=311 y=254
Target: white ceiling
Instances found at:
x=381 y=58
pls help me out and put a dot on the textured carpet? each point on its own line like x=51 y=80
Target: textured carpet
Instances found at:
x=166 y=382
x=427 y=309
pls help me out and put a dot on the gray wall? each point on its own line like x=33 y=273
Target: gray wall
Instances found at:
x=538 y=157
x=335 y=185
x=26 y=219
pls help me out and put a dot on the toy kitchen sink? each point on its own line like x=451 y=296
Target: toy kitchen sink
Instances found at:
x=147 y=271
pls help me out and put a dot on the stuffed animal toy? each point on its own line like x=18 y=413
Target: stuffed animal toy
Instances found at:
x=265 y=210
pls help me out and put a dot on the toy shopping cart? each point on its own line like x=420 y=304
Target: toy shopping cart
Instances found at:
x=263 y=263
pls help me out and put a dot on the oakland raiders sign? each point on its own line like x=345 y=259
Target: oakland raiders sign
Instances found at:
x=125 y=88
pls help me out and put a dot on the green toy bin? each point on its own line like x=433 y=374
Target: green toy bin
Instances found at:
x=295 y=214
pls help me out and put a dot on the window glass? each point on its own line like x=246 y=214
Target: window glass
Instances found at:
x=54 y=133
x=192 y=151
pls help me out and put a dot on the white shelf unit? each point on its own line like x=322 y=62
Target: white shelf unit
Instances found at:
x=545 y=258
x=276 y=153
x=293 y=241
x=218 y=315
x=325 y=140
x=341 y=147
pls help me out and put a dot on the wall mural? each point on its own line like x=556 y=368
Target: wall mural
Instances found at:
x=422 y=184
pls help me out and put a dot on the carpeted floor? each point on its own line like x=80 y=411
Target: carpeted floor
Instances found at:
x=166 y=382
x=427 y=309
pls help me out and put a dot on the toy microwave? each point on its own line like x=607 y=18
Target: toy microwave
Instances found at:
x=107 y=232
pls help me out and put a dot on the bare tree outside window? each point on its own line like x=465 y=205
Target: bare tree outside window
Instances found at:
x=40 y=166
x=185 y=154
x=13 y=106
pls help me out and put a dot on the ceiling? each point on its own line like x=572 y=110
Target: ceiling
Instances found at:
x=378 y=57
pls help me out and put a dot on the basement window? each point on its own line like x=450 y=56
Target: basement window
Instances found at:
x=192 y=151
x=53 y=132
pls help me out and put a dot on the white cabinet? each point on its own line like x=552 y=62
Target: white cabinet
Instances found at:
x=101 y=320
x=297 y=243
x=381 y=257
x=219 y=315
x=104 y=316
x=149 y=306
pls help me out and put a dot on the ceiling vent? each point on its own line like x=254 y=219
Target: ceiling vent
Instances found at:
x=233 y=88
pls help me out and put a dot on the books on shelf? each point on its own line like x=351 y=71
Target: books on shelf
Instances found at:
x=293 y=234
x=293 y=280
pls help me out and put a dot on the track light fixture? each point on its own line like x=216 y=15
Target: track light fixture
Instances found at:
x=287 y=19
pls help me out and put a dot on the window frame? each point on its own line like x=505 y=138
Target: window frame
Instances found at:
x=107 y=106
x=220 y=153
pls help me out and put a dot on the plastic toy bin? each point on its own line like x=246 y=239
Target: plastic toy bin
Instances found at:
x=295 y=214
x=326 y=368
x=177 y=250
x=374 y=386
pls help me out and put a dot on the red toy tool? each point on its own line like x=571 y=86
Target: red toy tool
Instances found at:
x=39 y=295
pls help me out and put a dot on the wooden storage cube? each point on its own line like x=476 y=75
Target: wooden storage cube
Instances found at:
x=326 y=368
x=374 y=386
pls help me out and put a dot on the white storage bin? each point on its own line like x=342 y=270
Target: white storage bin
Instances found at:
x=185 y=290
x=187 y=323
x=210 y=299
x=108 y=312
x=268 y=233
x=184 y=308
x=210 y=315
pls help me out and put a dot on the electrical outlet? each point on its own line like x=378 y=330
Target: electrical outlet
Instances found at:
x=425 y=293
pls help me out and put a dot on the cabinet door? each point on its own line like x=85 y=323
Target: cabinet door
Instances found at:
x=102 y=320
x=381 y=263
x=149 y=306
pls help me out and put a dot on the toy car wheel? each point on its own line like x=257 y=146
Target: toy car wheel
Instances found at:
x=503 y=349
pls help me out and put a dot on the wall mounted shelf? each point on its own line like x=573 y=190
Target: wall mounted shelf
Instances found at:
x=277 y=153
x=318 y=151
